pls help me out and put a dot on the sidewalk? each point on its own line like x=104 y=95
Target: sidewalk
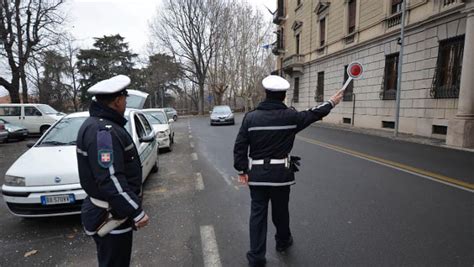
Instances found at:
x=390 y=134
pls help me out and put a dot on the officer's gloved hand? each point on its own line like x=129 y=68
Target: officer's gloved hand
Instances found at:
x=294 y=162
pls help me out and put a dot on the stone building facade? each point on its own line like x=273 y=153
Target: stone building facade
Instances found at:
x=317 y=39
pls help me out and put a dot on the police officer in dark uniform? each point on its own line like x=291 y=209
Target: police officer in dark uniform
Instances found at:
x=110 y=173
x=269 y=131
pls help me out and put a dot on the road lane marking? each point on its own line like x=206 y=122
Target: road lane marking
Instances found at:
x=194 y=156
x=199 y=182
x=190 y=136
x=210 y=251
x=395 y=165
x=191 y=145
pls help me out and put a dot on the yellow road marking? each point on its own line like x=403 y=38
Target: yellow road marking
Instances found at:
x=435 y=176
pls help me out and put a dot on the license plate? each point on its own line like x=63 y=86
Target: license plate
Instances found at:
x=58 y=199
x=222 y=119
x=25 y=134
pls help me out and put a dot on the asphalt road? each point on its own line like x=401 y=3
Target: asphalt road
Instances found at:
x=359 y=201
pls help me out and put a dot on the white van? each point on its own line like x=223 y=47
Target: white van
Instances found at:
x=36 y=118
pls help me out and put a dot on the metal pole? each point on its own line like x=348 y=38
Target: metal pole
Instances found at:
x=399 y=71
x=353 y=107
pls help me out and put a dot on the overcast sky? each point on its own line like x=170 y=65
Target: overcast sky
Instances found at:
x=96 y=18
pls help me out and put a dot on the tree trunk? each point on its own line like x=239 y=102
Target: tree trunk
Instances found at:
x=201 y=99
x=24 y=86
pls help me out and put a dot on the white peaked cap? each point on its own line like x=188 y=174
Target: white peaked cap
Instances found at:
x=275 y=83
x=110 y=86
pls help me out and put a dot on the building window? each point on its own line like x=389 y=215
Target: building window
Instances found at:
x=390 y=77
x=448 y=2
x=396 y=6
x=447 y=78
x=348 y=92
x=352 y=16
x=296 y=90
x=297 y=44
x=322 y=32
x=320 y=87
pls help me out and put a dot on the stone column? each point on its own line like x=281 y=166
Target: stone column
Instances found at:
x=461 y=127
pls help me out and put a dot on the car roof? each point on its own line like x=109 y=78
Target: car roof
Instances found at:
x=86 y=113
x=153 y=109
x=22 y=104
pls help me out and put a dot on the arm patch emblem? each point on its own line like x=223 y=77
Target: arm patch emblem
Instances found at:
x=105 y=151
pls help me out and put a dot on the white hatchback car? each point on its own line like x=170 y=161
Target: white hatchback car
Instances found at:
x=44 y=181
x=162 y=125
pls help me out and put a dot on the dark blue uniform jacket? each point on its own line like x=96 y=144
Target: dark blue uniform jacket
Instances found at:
x=270 y=132
x=109 y=168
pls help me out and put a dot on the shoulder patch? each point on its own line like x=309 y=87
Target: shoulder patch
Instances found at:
x=105 y=150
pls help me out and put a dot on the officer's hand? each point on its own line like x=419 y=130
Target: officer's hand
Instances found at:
x=243 y=179
x=143 y=222
x=337 y=97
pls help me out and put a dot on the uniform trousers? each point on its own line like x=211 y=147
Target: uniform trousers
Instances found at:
x=261 y=195
x=114 y=249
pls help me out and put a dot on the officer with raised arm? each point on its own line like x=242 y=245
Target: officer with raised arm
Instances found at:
x=110 y=173
x=262 y=158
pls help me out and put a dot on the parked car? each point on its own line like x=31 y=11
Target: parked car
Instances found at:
x=136 y=99
x=171 y=113
x=44 y=181
x=162 y=126
x=14 y=131
x=3 y=133
x=36 y=118
x=222 y=115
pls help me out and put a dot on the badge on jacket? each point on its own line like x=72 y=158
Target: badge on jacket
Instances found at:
x=105 y=150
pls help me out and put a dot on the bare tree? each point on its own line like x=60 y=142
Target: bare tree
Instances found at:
x=188 y=29
x=72 y=71
x=26 y=27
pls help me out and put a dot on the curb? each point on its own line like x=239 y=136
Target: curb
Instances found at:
x=389 y=135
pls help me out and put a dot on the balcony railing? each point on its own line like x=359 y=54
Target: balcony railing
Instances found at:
x=394 y=20
x=294 y=60
x=448 y=2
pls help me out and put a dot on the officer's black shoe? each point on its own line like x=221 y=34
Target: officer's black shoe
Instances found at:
x=281 y=247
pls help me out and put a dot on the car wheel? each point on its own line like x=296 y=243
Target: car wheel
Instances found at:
x=155 y=168
x=170 y=147
x=175 y=117
x=43 y=129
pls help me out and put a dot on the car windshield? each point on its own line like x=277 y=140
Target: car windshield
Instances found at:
x=63 y=133
x=157 y=117
x=4 y=121
x=221 y=109
x=47 y=109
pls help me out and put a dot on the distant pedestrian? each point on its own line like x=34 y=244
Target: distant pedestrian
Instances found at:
x=110 y=173
x=266 y=136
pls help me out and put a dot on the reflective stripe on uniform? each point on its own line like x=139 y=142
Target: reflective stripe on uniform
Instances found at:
x=271 y=128
x=129 y=147
x=119 y=188
x=121 y=231
x=271 y=184
x=79 y=151
x=89 y=233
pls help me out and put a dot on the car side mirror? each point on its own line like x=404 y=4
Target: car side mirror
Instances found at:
x=170 y=120
x=147 y=139
x=30 y=144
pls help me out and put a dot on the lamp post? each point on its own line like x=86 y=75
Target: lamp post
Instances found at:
x=399 y=71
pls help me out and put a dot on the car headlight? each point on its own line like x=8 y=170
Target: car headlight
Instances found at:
x=162 y=135
x=230 y=116
x=14 y=180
